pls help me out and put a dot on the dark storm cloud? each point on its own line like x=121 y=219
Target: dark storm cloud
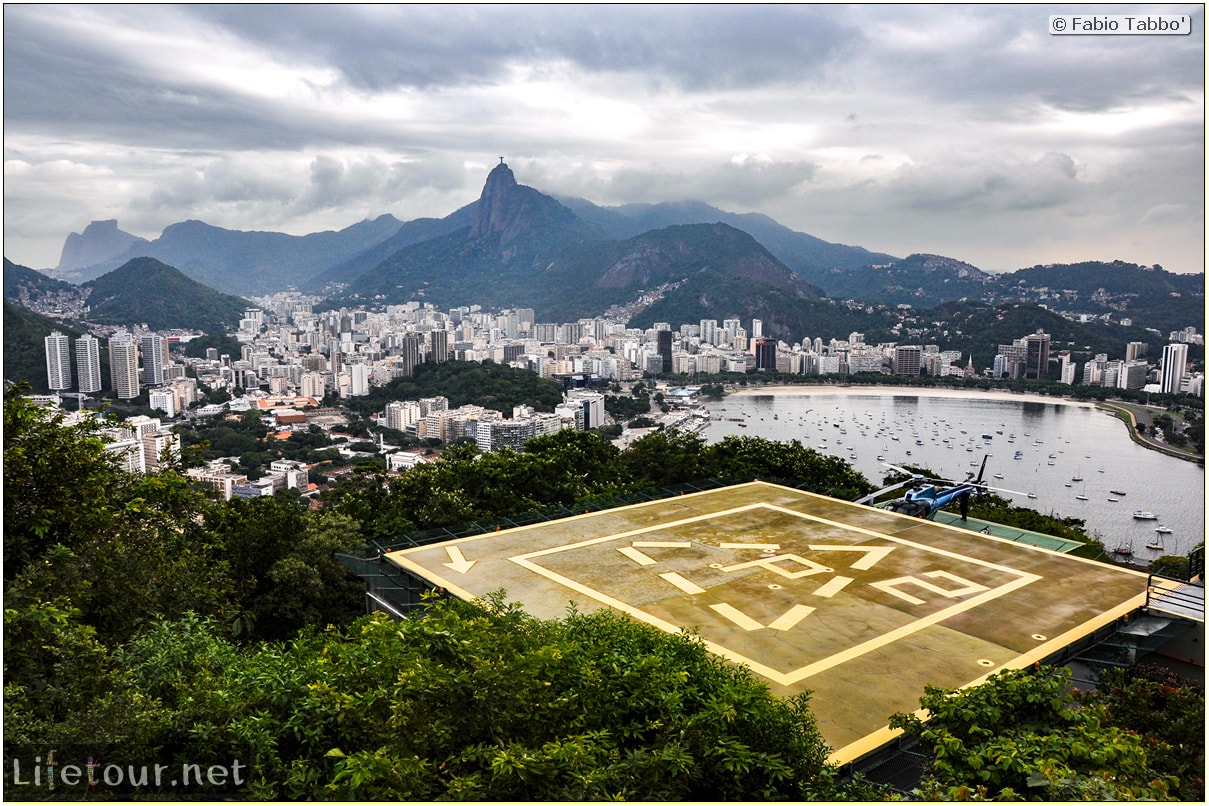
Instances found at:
x=694 y=47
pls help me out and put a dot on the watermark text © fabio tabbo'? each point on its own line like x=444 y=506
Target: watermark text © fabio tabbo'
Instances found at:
x=1119 y=24
x=51 y=775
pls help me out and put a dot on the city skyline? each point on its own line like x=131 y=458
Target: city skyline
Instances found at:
x=350 y=351
x=965 y=131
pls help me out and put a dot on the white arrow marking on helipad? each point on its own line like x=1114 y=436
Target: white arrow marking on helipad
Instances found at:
x=456 y=561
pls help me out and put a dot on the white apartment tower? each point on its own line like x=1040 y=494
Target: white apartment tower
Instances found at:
x=58 y=362
x=154 y=348
x=88 y=364
x=1175 y=362
x=124 y=366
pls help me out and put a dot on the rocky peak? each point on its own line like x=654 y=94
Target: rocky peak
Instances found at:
x=493 y=209
x=100 y=241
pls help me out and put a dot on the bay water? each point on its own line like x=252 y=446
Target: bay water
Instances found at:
x=1057 y=451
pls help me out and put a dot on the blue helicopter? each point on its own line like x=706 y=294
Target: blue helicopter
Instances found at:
x=925 y=498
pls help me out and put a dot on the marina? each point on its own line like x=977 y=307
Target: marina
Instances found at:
x=1040 y=454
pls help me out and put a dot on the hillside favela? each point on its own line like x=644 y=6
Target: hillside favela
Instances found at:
x=588 y=473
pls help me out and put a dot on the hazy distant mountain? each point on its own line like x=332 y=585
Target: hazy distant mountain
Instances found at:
x=100 y=241
x=146 y=291
x=241 y=262
x=805 y=254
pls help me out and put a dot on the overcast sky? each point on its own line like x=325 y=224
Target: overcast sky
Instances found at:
x=969 y=132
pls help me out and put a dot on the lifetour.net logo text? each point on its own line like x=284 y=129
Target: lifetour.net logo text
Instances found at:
x=53 y=775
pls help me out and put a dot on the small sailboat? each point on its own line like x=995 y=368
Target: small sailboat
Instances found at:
x=1124 y=549
x=1157 y=543
x=1163 y=530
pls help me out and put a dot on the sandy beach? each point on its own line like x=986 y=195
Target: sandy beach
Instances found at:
x=911 y=391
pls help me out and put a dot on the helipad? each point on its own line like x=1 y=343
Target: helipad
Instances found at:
x=862 y=607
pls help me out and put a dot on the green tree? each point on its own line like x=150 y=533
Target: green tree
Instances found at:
x=1165 y=709
x=57 y=480
x=254 y=534
x=308 y=585
x=1019 y=736
x=758 y=457
x=480 y=702
x=665 y=457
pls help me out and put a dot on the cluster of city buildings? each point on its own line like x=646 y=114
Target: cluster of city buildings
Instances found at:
x=288 y=348
x=292 y=357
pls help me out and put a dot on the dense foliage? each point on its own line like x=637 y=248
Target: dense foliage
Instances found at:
x=570 y=466
x=1027 y=735
x=486 y=383
x=124 y=297
x=143 y=622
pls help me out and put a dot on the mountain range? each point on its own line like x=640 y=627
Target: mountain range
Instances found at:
x=568 y=258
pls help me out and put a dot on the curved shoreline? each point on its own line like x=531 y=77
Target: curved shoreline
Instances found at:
x=908 y=391
x=966 y=394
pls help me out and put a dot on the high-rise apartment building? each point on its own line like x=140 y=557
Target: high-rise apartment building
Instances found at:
x=124 y=366
x=1036 y=362
x=439 y=346
x=1135 y=350
x=907 y=359
x=154 y=349
x=1175 y=362
x=88 y=364
x=766 y=355
x=58 y=362
x=664 y=347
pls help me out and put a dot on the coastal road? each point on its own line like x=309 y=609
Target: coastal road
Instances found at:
x=1143 y=415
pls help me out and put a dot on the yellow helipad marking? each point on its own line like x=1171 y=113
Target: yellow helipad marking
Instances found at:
x=636 y=555
x=770 y=564
x=833 y=587
x=873 y=554
x=890 y=586
x=737 y=616
x=790 y=618
x=549 y=589
x=869 y=559
x=786 y=621
x=691 y=588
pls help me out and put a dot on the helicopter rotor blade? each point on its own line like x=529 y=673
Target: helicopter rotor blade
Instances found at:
x=983 y=468
x=914 y=476
x=874 y=495
x=996 y=489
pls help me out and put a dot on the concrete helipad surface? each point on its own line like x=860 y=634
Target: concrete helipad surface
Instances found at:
x=862 y=607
